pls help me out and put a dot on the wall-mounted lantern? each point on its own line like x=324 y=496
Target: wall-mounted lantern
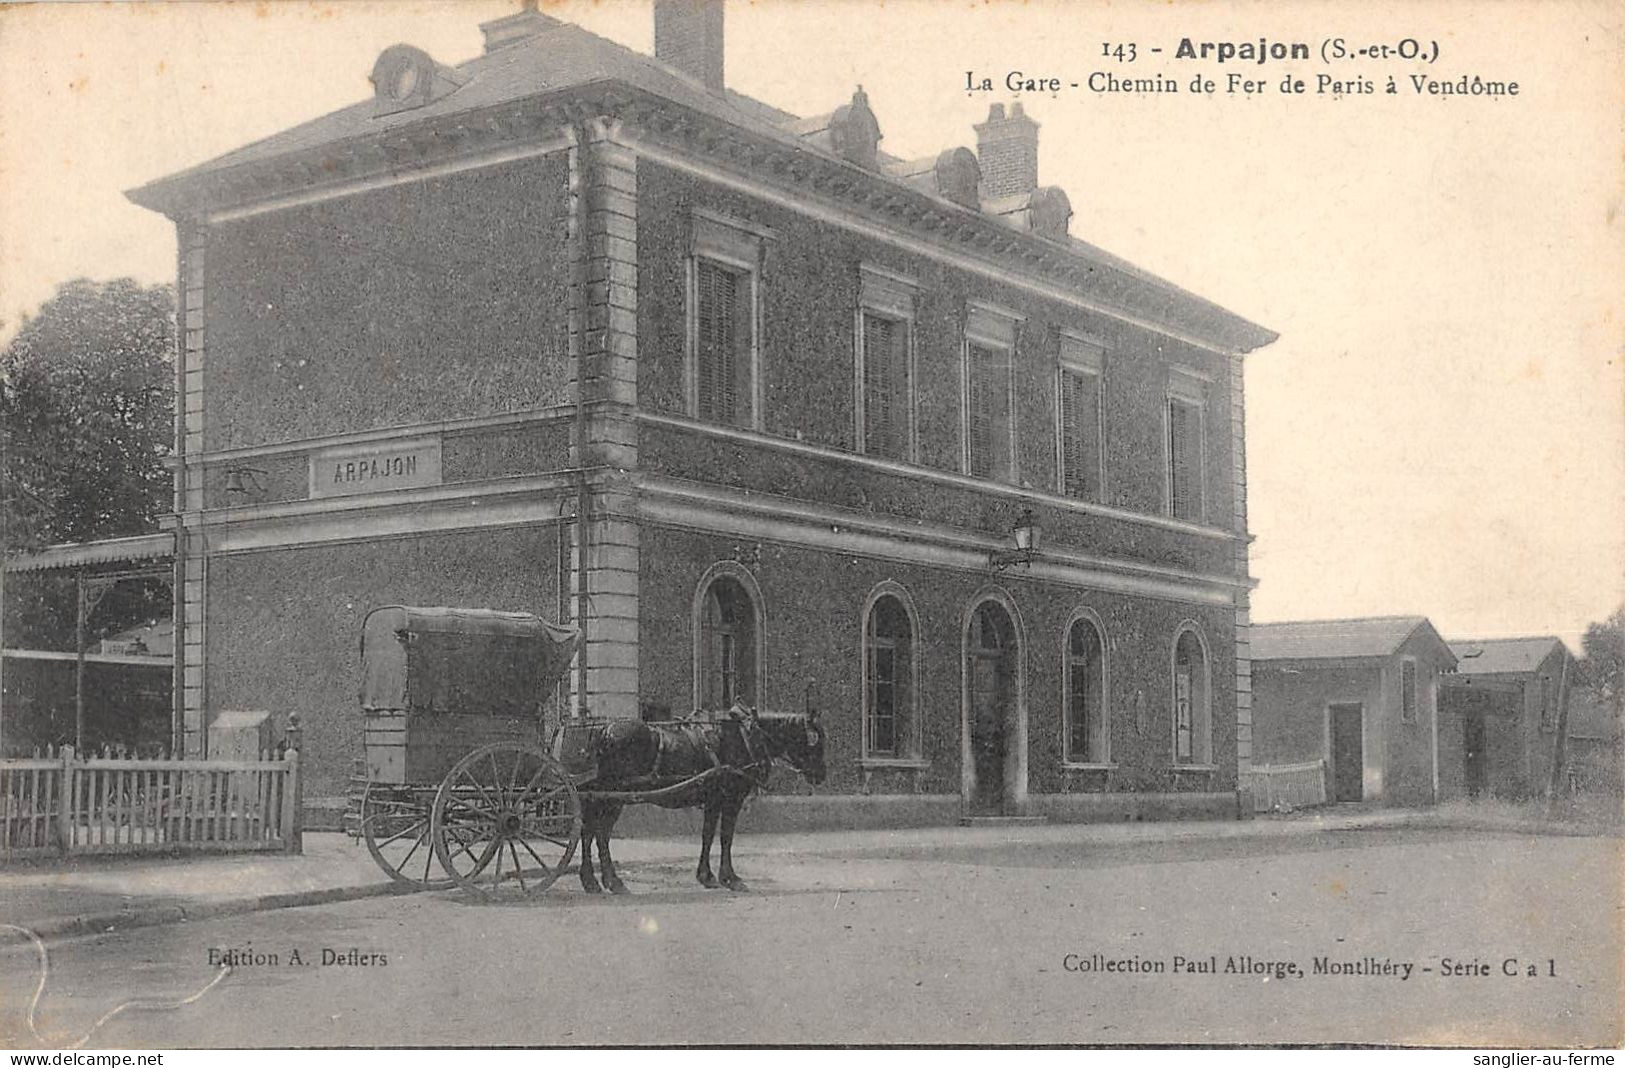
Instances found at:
x=1027 y=536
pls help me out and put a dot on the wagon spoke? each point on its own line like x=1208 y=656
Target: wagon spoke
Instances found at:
x=488 y=799
x=532 y=852
x=416 y=828
x=518 y=872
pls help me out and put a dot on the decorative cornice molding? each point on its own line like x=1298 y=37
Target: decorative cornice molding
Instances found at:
x=928 y=474
x=649 y=121
x=714 y=509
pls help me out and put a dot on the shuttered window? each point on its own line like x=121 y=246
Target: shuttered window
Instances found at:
x=988 y=412
x=1080 y=434
x=1185 y=460
x=887 y=393
x=722 y=344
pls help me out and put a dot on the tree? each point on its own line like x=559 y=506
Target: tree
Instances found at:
x=86 y=421
x=1602 y=663
x=87 y=415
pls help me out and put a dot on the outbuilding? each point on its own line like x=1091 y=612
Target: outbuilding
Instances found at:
x=1359 y=696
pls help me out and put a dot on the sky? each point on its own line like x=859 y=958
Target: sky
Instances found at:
x=1440 y=429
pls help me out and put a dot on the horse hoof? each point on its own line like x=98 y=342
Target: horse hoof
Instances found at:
x=617 y=887
x=736 y=885
x=709 y=881
x=592 y=888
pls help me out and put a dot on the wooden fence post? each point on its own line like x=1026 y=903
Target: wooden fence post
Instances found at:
x=64 y=815
x=292 y=805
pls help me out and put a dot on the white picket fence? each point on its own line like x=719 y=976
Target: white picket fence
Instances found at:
x=62 y=805
x=1286 y=786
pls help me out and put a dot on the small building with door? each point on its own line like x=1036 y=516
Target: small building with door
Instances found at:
x=1502 y=716
x=770 y=414
x=1360 y=695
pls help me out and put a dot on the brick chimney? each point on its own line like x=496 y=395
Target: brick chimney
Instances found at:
x=688 y=36
x=526 y=23
x=1007 y=149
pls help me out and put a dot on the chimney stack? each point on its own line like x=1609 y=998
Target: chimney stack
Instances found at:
x=527 y=22
x=688 y=37
x=1007 y=149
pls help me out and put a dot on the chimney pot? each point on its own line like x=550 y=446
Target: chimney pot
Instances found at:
x=688 y=37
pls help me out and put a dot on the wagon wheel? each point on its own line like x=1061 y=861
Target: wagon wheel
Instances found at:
x=395 y=826
x=506 y=819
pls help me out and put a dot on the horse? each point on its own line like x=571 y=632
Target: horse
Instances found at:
x=644 y=761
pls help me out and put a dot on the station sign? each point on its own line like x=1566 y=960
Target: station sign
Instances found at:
x=375 y=467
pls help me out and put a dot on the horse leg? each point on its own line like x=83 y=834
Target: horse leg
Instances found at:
x=591 y=817
x=703 y=873
x=606 y=824
x=730 y=816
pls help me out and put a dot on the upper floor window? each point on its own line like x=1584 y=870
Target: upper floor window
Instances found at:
x=1078 y=408
x=885 y=366
x=890 y=721
x=1186 y=415
x=1407 y=690
x=1193 y=714
x=989 y=393
x=723 y=355
x=1088 y=728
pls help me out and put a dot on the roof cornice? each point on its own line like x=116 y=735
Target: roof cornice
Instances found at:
x=787 y=163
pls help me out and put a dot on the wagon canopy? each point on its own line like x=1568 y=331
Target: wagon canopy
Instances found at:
x=461 y=660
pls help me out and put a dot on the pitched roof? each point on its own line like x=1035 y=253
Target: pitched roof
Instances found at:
x=1502 y=656
x=556 y=56
x=1334 y=639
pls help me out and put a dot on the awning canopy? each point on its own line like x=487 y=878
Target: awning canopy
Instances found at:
x=141 y=547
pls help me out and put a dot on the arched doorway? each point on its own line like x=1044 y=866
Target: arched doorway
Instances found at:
x=995 y=734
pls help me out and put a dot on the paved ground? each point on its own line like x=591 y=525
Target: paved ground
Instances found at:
x=940 y=936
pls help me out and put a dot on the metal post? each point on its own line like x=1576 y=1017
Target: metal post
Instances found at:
x=65 y=794
x=293 y=796
x=79 y=661
x=2 y=640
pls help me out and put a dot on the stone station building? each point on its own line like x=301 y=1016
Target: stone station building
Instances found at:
x=573 y=330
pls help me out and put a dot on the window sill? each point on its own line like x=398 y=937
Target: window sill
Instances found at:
x=1196 y=767
x=1074 y=765
x=893 y=762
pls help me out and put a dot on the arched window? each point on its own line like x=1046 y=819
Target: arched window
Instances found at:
x=727 y=644
x=890 y=722
x=1193 y=714
x=1088 y=722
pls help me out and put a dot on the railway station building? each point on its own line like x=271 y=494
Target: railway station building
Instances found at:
x=774 y=416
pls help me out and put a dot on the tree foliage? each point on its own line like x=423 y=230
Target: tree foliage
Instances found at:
x=1602 y=664
x=87 y=414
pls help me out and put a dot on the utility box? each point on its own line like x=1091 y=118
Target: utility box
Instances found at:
x=240 y=734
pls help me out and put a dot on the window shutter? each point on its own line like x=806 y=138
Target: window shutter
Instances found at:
x=1080 y=427
x=981 y=412
x=1184 y=458
x=879 y=400
x=718 y=340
